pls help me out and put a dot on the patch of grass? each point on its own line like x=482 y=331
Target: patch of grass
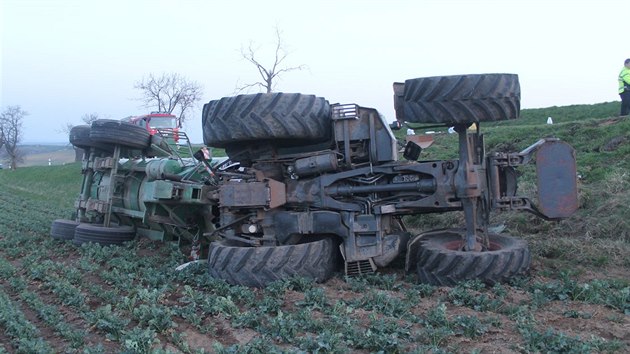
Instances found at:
x=468 y=294
x=383 y=335
x=552 y=341
x=107 y=320
x=379 y=281
x=257 y=345
x=325 y=342
x=315 y=299
x=612 y=293
x=35 y=182
x=470 y=326
x=383 y=303
x=139 y=340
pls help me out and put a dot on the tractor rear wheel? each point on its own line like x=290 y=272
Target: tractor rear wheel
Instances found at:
x=460 y=99
x=258 y=266
x=114 y=235
x=115 y=132
x=441 y=262
x=286 y=119
x=62 y=229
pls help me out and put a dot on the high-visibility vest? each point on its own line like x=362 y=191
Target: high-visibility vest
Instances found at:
x=624 y=80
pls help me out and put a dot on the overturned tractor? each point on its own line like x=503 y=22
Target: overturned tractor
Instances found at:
x=309 y=186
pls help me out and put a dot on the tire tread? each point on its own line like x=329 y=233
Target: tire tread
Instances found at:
x=440 y=266
x=461 y=99
x=259 y=266
x=275 y=117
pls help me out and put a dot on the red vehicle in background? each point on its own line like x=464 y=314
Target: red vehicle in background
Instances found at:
x=165 y=122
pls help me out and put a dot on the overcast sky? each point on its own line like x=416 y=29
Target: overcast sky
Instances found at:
x=61 y=59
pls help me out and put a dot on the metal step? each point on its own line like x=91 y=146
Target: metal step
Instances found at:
x=366 y=266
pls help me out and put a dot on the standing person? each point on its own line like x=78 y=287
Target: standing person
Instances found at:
x=624 y=88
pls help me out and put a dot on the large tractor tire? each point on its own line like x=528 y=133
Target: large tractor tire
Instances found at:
x=461 y=99
x=125 y=134
x=62 y=229
x=258 y=266
x=283 y=119
x=79 y=137
x=441 y=262
x=114 y=235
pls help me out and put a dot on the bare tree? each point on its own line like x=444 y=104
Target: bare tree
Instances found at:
x=170 y=93
x=87 y=118
x=11 y=122
x=269 y=74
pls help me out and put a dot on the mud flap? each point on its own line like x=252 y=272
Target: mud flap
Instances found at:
x=556 y=172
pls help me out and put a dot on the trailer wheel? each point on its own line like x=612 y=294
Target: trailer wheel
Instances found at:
x=286 y=119
x=460 y=99
x=62 y=229
x=258 y=266
x=440 y=262
x=79 y=137
x=114 y=235
x=115 y=132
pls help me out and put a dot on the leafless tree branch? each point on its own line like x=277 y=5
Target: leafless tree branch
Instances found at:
x=87 y=118
x=170 y=93
x=270 y=74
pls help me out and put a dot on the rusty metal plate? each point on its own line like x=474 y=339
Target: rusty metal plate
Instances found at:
x=269 y=193
x=557 y=179
x=277 y=193
x=244 y=194
x=424 y=141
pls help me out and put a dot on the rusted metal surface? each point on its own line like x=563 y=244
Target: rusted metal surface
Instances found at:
x=277 y=193
x=557 y=184
x=470 y=184
x=556 y=173
x=253 y=194
x=270 y=194
x=424 y=141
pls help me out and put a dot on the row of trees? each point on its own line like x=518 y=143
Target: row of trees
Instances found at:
x=11 y=133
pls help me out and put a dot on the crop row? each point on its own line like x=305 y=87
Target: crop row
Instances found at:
x=66 y=288
x=125 y=271
x=145 y=298
x=25 y=337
